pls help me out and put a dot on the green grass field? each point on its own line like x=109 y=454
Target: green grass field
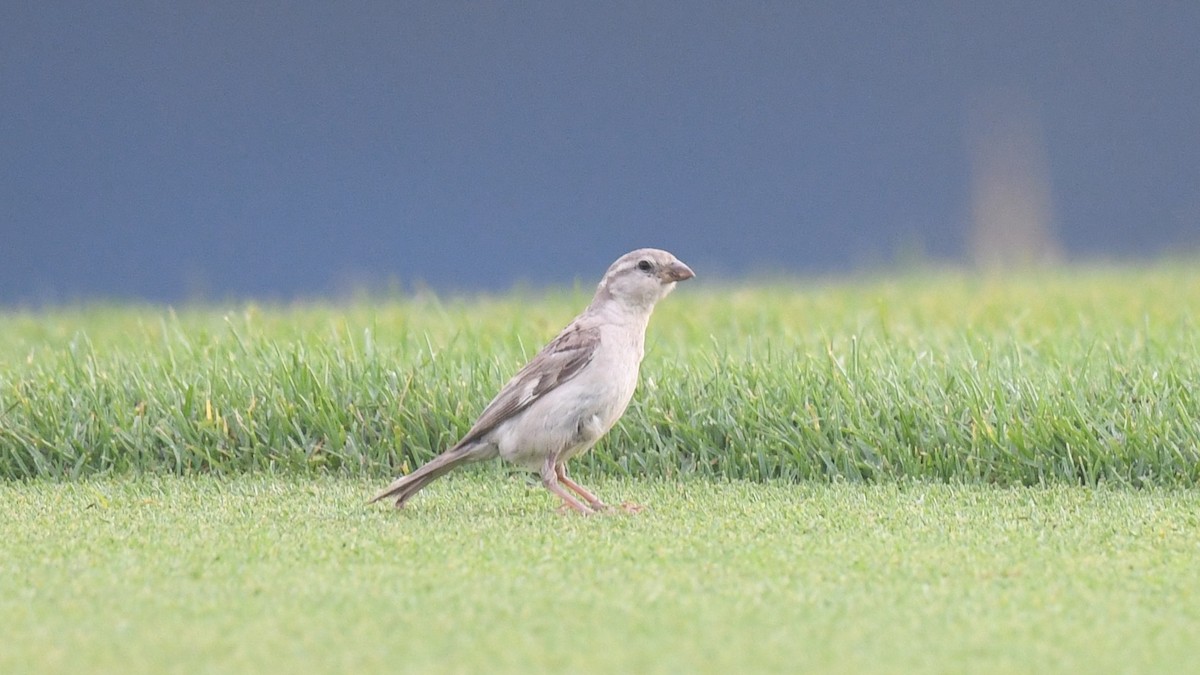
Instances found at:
x=1082 y=377
x=934 y=472
x=270 y=574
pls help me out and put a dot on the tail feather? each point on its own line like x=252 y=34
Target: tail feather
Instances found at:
x=404 y=487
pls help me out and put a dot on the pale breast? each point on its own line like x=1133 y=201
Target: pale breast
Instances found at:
x=578 y=412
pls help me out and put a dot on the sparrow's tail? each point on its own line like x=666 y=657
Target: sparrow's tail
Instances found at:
x=404 y=487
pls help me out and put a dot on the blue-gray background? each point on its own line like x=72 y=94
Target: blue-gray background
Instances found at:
x=168 y=151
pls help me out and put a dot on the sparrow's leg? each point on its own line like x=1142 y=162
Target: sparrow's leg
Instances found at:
x=550 y=481
x=593 y=500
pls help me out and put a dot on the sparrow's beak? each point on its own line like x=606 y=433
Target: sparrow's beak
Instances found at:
x=676 y=271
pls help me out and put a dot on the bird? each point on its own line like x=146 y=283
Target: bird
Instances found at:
x=571 y=392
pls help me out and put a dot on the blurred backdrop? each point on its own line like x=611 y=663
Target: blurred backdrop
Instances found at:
x=213 y=150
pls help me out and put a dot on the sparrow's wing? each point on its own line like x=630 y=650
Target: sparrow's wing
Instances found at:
x=558 y=362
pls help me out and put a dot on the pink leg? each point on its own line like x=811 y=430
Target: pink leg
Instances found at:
x=593 y=500
x=550 y=481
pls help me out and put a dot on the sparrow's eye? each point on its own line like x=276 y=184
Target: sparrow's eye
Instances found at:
x=645 y=265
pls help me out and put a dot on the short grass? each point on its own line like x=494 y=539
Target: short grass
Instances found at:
x=934 y=472
x=1079 y=376
x=294 y=574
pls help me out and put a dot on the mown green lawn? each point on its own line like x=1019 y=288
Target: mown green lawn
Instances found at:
x=480 y=574
x=936 y=472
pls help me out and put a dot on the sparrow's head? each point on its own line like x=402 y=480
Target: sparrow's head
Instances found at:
x=641 y=278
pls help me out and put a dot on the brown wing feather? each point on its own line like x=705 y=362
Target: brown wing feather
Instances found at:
x=556 y=363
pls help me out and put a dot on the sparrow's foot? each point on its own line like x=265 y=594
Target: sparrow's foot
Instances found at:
x=567 y=508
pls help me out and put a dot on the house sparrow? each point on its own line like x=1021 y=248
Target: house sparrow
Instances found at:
x=573 y=390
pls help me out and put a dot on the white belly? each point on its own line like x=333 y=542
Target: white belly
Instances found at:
x=571 y=418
